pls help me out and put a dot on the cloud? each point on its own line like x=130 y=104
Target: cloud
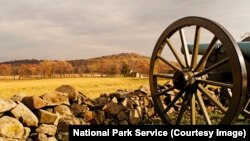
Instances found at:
x=75 y=29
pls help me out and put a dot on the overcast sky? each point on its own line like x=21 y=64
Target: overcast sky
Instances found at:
x=81 y=29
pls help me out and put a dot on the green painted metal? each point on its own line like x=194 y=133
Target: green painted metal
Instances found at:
x=244 y=46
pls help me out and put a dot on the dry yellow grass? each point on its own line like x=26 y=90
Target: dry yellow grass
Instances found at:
x=92 y=87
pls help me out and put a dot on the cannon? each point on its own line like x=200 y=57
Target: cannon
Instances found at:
x=207 y=79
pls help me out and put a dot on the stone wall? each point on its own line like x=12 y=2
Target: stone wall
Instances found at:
x=46 y=117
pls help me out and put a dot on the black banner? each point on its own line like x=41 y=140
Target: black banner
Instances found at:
x=171 y=132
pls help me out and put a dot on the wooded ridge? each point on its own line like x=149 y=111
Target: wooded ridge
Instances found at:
x=118 y=64
x=111 y=65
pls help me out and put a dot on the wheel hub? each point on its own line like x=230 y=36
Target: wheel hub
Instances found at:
x=183 y=79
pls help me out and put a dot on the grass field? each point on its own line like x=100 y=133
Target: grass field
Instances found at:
x=91 y=87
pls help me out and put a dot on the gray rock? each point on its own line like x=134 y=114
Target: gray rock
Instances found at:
x=101 y=101
x=89 y=103
x=52 y=139
x=29 y=139
x=123 y=122
x=62 y=110
x=85 y=100
x=9 y=139
x=47 y=129
x=6 y=105
x=69 y=120
x=34 y=102
x=79 y=101
x=127 y=103
x=18 y=97
x=63 y=136
x=118 y=95
x=25 y=115
x=114 y=100
x=11 y=128
x=56 y=98
x=26 y=132
x=134 y=117
x=139 y=110
x=122 y=92
x=144 y=89
x=72 y=93
x=77 y=109
x=112 y=108
x=106 y=95
x=89 y=115
x=41 y=137
x=121 y=116
x=99 y=117
x=151 y=112
x=46 y=117
x=137 y=97
x=2 y=114
x=147 y=102
x=136 y=102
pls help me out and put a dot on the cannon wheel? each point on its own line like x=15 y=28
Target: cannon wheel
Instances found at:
x=227 y=91
x=246 y=110
x=188 y=80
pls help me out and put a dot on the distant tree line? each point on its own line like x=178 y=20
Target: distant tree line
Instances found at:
x=44 y=69
x=111 y=68
x=119 y=64
x=104 y=66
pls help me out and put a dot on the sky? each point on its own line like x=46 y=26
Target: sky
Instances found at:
x=81 y=29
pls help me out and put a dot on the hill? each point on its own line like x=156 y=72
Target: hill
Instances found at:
x=20 y=62
x=104 y=65
x=113 y=64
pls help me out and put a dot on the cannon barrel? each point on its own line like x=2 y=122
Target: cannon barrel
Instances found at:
x=244 y=46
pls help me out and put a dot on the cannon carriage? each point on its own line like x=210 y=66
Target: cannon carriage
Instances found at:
x=207 y=82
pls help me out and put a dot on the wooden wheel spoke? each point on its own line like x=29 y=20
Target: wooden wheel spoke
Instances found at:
x=218 y=64
x=214 y=83
x=165 y=91
x=183 y=109
x=246 y=110
x=184 y=45
x=177 y=56
x=247 y=104
x=170 y=76
x=193 y=111
x=208 y=94
x=196 y=47
x=171 y=104
x=203 y=108
x=207 y=54
x=168 y=63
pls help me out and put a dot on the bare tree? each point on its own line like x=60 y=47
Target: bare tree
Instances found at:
x=5 y=69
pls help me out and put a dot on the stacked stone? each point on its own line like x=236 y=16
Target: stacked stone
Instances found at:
x=47 y=117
